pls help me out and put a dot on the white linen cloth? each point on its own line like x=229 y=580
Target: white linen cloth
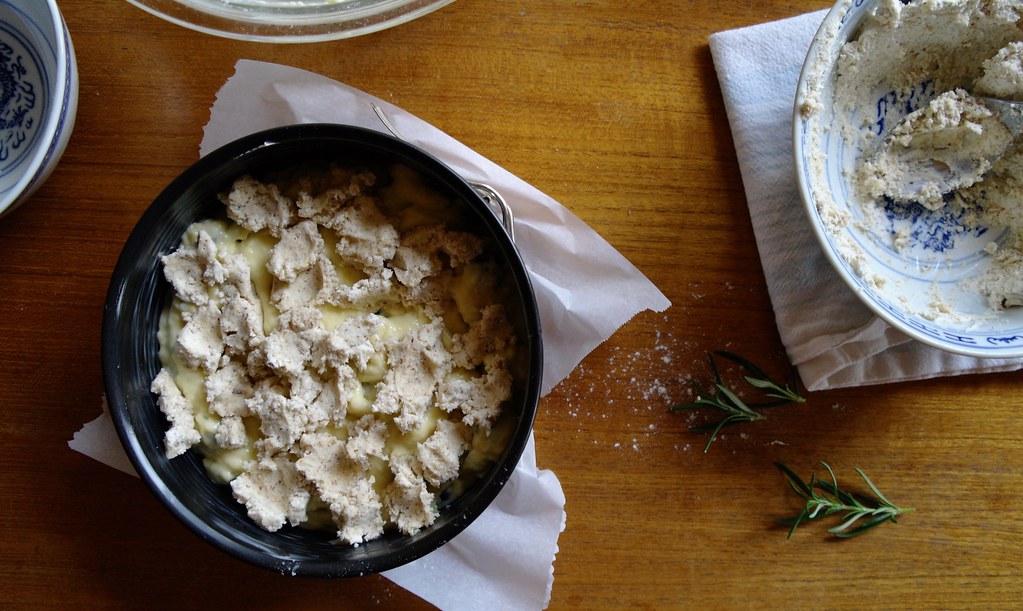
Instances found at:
x=832 y=338
x=585 y=290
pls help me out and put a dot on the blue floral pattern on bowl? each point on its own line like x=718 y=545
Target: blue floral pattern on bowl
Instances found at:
x=20 y=71
x=38 y=96
x=913 y=256
x=17 y=101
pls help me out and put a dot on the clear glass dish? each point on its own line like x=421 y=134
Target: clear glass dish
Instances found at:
x=285 y=21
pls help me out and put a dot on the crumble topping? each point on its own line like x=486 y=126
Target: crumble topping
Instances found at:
x=333 y=353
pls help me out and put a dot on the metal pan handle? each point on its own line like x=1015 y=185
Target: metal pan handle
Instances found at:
x=500 y=208
x=497 y=205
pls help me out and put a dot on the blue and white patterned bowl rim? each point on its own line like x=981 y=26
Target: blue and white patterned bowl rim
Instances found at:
x=37 y=61
x=933 y=261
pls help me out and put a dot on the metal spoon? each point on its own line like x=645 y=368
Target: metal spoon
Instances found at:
x=926 y=175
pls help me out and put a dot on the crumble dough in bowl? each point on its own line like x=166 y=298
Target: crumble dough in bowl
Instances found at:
x=321 y=350
x=885 y=85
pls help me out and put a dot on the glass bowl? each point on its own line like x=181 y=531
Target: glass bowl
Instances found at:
x=289 y=20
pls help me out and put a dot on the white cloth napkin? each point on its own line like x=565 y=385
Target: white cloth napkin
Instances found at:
x=832 y=338
x=585 y=289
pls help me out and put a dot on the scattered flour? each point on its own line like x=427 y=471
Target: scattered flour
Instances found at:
x=655 y=378
x=650 y=380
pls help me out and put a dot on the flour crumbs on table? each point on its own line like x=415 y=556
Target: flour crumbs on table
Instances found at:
x=647 y=382
x=633 y=390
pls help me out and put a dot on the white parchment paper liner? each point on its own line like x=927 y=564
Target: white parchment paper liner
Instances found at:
x=832 y=337
x=585 y=289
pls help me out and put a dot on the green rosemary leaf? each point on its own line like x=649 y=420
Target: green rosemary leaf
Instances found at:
x=699 y=403
x=744 y=363
x=759 y=383
x=738 y=403
x=862 y=528
x=802 y=517
x=775 y=391
x=761 y=380
x=734 y=409
x=713 y=368
x=873 y=488
x=859 y=512
x=710 y=439
x=795 y=481
x=851 y=518
x=717 y=429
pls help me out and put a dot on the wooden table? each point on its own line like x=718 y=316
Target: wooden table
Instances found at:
x=613 y=109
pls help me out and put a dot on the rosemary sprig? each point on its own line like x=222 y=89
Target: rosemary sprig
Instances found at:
x=723 y=399
x=860 y=512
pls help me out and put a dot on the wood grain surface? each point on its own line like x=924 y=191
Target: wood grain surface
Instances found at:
x=613 y=109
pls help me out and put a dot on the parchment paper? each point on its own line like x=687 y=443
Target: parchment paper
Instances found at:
x=585 y=288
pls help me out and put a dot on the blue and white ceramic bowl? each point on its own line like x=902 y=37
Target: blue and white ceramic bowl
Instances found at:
x=938 y=253
x=38 y=96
